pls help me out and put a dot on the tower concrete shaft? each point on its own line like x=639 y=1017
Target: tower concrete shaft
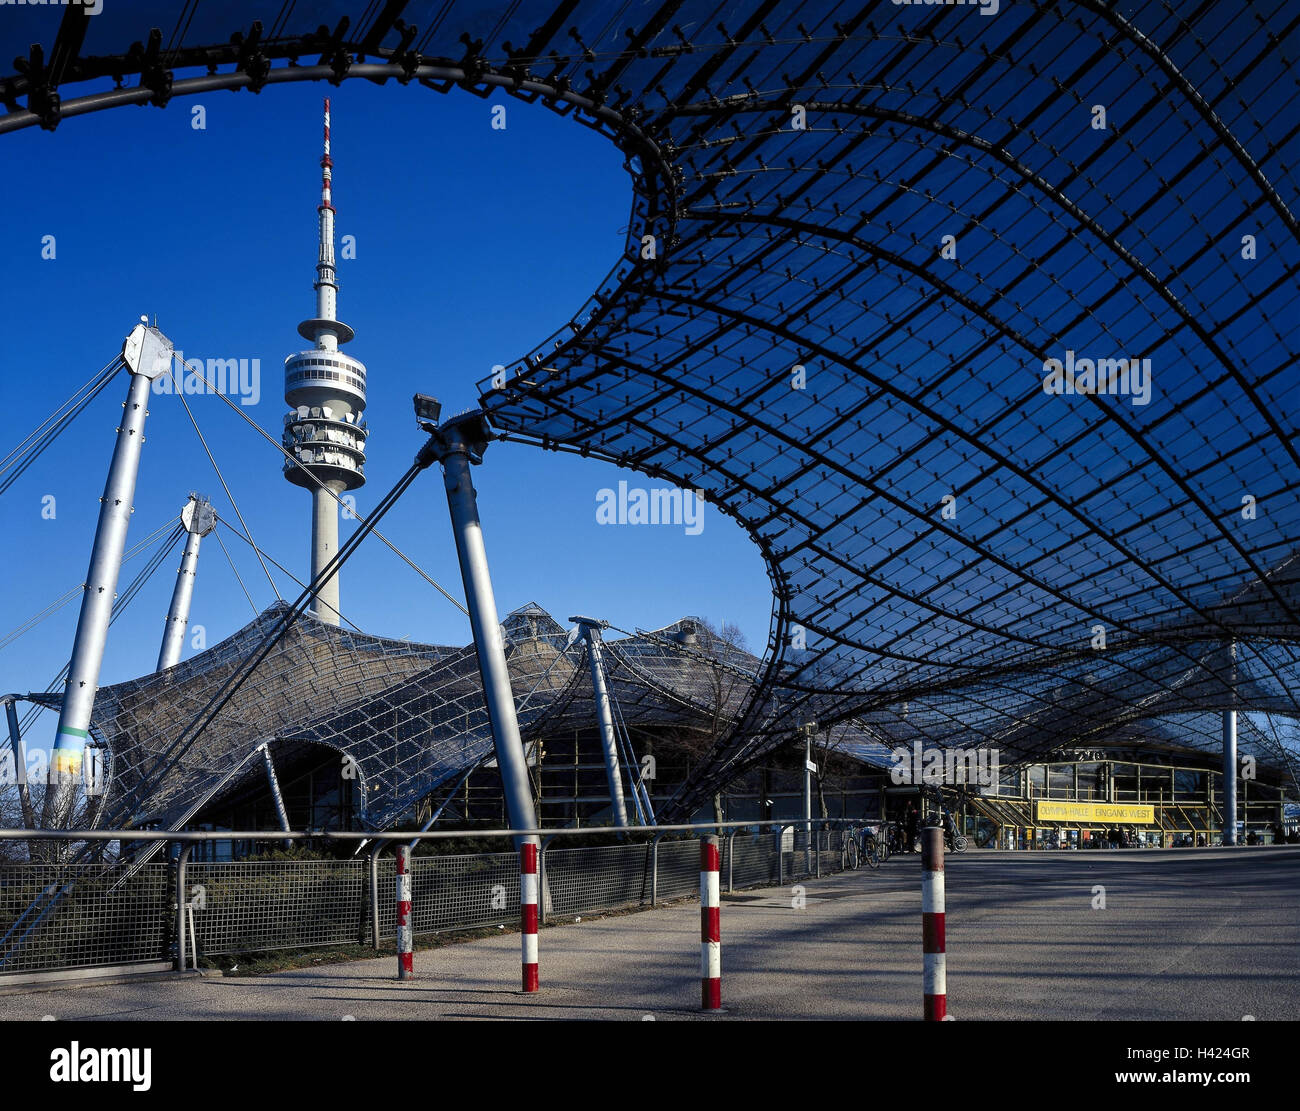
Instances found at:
x=324 y=547
x=147 y=354
x=326 y=389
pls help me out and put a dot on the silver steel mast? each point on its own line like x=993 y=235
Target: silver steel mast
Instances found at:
x=457 y=444
x=147 y=354
x=589 y=629
x=199 y=519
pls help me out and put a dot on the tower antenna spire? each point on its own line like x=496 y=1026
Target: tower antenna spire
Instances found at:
x=326 y=432
x=327 y=287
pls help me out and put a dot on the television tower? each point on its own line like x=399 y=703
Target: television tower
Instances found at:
x=326 y=389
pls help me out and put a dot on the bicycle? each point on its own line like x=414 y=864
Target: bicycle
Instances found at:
x=874 y=851
x=896 y=838
x=852 y=854
x=953 y=841
x=862 y=846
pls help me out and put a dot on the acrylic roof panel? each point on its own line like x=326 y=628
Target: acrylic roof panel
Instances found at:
x=920 y=206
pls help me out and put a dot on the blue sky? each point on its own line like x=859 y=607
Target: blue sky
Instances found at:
x=473 y=244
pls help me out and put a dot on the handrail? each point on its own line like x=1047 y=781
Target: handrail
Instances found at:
x=704 y=828
x=731 y=861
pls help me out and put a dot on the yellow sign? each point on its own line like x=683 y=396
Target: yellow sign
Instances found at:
x=1088 y=813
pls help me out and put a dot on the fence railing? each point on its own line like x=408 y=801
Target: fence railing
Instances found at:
x=84 y=916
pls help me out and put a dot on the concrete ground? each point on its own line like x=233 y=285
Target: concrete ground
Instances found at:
x=1184 y=934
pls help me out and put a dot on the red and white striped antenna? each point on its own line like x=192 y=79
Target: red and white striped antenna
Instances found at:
x=326 y=164
x=328 y=334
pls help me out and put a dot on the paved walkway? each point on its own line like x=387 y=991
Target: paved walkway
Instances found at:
x=1185 y=934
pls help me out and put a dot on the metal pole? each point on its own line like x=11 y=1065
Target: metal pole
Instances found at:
x=710 y=926
x=374 y=893
x=147 y=353
x=639 y=788
x=405 y=940
x=182 y=859
x=528 y=914
x=1229 y=777
x=590 y=631
x=199 y=519
x=543 y=905
x=933 y=942
x=731 y=860
x=20 y=765
x=807 y=798
x=458 y=444
x=274 y=782
x=654 y=868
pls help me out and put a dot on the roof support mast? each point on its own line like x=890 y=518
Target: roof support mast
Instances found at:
x=199 y=520
x=589 y=630
x=20 y=763
x=457 y=444
x=147 y=354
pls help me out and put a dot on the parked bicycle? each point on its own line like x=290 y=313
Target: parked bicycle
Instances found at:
x=895 y=839
x=953 y=841
x=874 y=849
x=864 y=847
x=852 y=851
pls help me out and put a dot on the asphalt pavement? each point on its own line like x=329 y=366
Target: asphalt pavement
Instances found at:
x=1096 y=935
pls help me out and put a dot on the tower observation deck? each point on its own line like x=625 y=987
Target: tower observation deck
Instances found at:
x=326 y=391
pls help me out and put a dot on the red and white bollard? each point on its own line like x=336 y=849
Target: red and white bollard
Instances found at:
x=935 y=975
x=405 y=948
x=528 y=911
x=710 y=926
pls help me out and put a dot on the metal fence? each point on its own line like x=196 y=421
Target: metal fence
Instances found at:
x=84 y=915
x=87 y=916
x=250 y=906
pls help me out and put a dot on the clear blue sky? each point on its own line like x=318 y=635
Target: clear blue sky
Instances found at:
x=473 y=244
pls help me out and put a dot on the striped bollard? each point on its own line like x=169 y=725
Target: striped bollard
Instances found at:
x=710 y=926
x=405 y=955
x=935 y=975
x=528 y=911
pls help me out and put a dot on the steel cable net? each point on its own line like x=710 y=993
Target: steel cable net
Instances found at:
x=405 y=718
x=919 y=206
